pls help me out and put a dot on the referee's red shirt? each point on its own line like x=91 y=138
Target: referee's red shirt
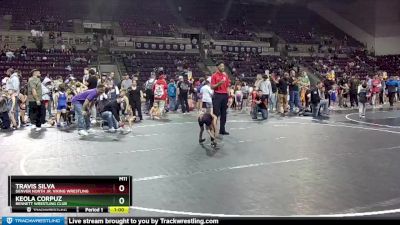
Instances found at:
x=217 y=77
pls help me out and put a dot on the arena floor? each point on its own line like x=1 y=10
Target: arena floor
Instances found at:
x=282 y=167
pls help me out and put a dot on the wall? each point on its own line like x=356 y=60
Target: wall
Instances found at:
x=387 y=19
x=387 y=45
x=374 y=22
x=343 y=24
x=360 y=12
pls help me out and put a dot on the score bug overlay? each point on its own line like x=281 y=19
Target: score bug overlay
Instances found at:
x=85 y=194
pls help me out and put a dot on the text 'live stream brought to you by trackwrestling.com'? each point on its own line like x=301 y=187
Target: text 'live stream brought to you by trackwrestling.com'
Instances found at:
x=139 y=221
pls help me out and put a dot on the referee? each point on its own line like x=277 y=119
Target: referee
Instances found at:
x=220 y=83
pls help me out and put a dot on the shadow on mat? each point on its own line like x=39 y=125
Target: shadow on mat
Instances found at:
x=210 y=151
x=69 y=129
x=164 y=120
x=6 y=133
x=37 y=134
x=320 y=119
x=103 y=137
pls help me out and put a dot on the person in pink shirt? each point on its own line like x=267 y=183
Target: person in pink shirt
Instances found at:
x=160 y=93
x=375 y=90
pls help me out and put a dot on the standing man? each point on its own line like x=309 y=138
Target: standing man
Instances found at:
x=294 y=96
x=35 y=99
x=354 y=83
x=282 y=92
x=91 y=83
x=83 y=102
x=13 y=88
x=220 y=83
x=135 y=96
x=126 y=82
x=149 y=91
x=273 y=97
x=183 y=93
x=266 y=89
x=305 y=89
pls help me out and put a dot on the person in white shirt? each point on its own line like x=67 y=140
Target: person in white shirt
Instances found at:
x=13 y=88
x=207 y=93
x=85 y=76
x=46 y=99
x=10 y=55
x=266 y=88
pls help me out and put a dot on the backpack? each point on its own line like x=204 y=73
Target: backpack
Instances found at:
x=102 y=104
x=149 y=85
x=171 y=90
x=184 y=87
x=362 y=96
x=198 y=91
x=315 y=99
x=158 y=91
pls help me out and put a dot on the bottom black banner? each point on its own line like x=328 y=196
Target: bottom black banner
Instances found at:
x=205 y=221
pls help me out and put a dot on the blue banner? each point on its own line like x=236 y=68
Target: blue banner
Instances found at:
x=13 y=220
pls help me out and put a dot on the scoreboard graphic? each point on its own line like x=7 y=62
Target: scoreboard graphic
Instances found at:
x=70 y=194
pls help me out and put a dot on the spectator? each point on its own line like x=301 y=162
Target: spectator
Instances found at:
x=183 y=93
x=220 y=84
x=172 y=95
x=354 y=83
x=259 y=105
x=5 y=107
x=135 y=96
x=266 y=89
x=149 y=91
x=46 y=97
x=282 y=84
x=392 y=86
x=36 y=106
x=363 y=95
x=160 y=93
x=10 y=55
x=82 y=104
x=13 y=88
x=110 y=113
x=126 y=82
x=315 y=99
x=206 y=94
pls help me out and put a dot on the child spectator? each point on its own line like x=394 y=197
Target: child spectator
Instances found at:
x=206 y=96
x=363 y=95
x=61 y=105
x=155 y=112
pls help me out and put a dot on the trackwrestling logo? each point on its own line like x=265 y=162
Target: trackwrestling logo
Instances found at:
x=32 y=220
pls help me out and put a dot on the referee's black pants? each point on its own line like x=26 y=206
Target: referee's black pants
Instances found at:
x=220 y=105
